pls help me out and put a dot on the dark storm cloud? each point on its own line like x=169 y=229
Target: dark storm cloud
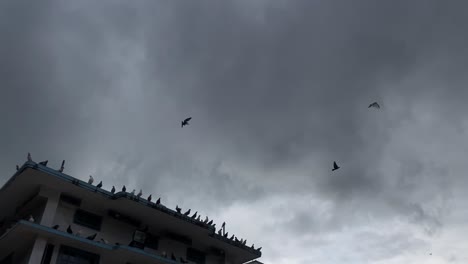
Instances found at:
x=276 y=90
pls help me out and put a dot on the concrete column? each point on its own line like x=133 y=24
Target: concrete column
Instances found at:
x=51 y=206
x=37 y=250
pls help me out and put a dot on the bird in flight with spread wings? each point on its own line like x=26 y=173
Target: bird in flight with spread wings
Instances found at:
x=374 y=105
x=186 y=121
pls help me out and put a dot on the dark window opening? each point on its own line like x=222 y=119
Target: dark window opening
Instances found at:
x=69 y=255
x=195 y=256
x=152 y=242
x=87 y=219
x=47 y=256
x=70 y=200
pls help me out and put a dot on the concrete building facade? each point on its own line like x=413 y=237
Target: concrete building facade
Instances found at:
x=48 y=217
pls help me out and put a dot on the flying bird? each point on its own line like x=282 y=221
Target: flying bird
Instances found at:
x=44 y=163
x=335 y=166
x=62 y=167
x=99 y=184
x=29 y=157
x=113 y=189
x=149 y=198
x=186 y=121
x=374 y=105
x=91 y=179
x=69 y=230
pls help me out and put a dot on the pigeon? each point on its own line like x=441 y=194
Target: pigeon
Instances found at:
x=113 y=190
x=185 y=122
x=252 y=247
x=178 y=209
x=182 y=260
x=226 y=235
x=124 y=189
x=91 y=179
x=158 y=201
x=29 y=157
x=375 y=105
x=92 y=237
x=69 y=230
x=244 y=242
x=223 y=225
x=194 y=215
x=31 y=219
x=149 y=198
x=140 y=193
x=236 y=240
x=206 y=220
x=187 y=213
x=232 y=237
x=335 y=166
x=260 y=248
x=99 y=184
x=55 y=227
x=220 y=232
x=17 y=167
x=173 y=257
x=198 y=218
x=62 y=167
x=44 y=163
x=210 y=222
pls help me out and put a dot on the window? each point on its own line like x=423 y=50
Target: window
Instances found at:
x=195 y=256
x=47 y=256
x=152 y=242
x=88 y=219
x=69 y=255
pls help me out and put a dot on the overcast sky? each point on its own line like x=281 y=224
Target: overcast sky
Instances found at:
x=278 y=90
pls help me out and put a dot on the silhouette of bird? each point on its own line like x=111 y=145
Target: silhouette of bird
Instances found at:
x=29 y=157
x=92 y=237
x=335 y=166
x=232 y=237
x=223 y=225
x=158 y=201
x=149 y=198
x=198 y=218
x=62 y=167
x=194 y=215
x=226 y=235
x=220 y=231
x=140 y=193
x=252 y=247
x=210 y=222
x=260 y=248
x=99 y=184
x=178 y=209
x=187 y=213
x=55 y=227
x=91 y=179
x=206 y=220
x=182 y=260
x=17 y=167
x=44 y=163
x=69 y=230
x=113 y=189
x=244 y=242
x=186 y=121
x=173 y=257
x=374 y=105
x=124 y=189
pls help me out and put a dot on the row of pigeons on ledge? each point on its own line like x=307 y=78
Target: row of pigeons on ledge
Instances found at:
x=194 y=217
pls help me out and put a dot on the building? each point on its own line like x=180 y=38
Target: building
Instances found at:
x=127 y=229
